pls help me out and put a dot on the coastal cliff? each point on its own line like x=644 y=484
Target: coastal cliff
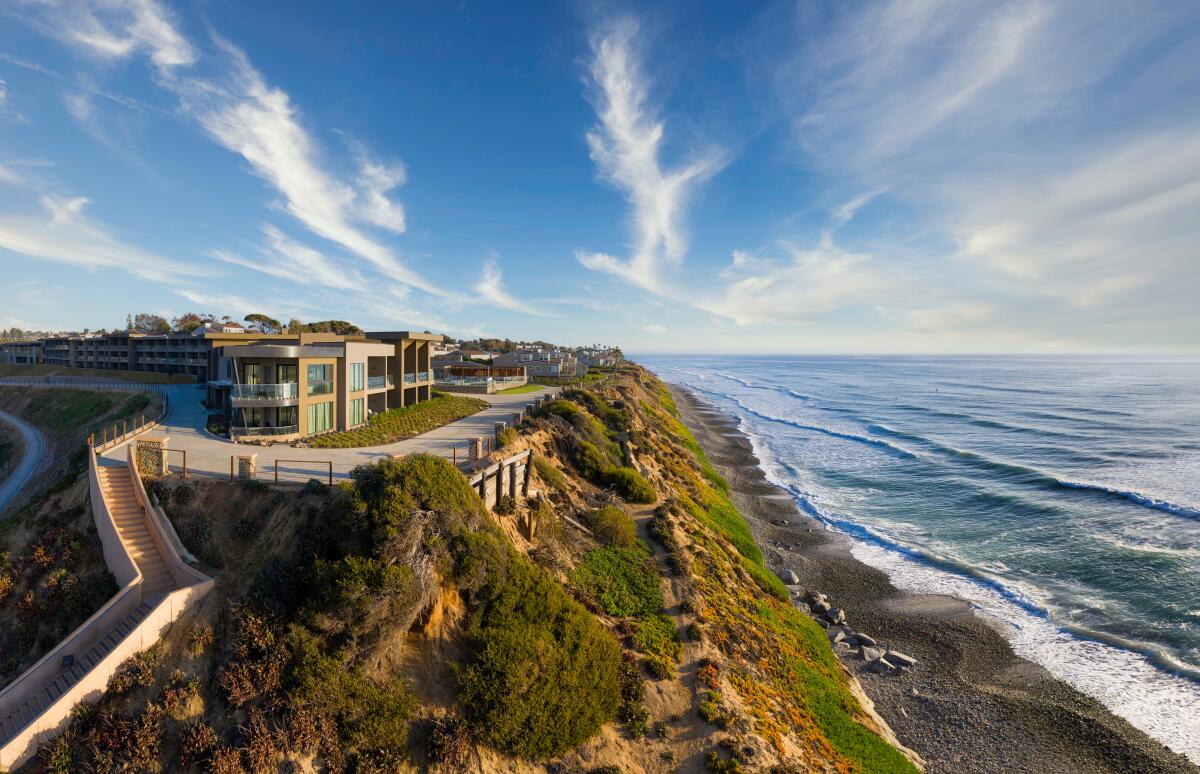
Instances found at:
x=616 y=616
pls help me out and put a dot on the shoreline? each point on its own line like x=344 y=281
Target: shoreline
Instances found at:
x=970 y=704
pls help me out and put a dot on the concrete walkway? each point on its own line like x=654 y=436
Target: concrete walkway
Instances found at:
x=208 y=455
x=35 y=448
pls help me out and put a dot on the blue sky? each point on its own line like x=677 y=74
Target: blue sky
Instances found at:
x=907 y=176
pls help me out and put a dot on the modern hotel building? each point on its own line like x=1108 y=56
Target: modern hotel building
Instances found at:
x=280 y=385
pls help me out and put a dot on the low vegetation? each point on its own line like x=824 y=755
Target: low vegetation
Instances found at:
x=41 y=369
x=524 y=388
x=543 y=673
x=620 y=581
x=593 y=447
x=397 y=424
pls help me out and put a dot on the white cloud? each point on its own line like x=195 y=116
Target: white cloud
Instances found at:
x=259 y=123
x=491 y=289
x=654 y=328
x=119 y=29
x=626 y=147
x=239 y=110
x=804 y=285
x=66 y=235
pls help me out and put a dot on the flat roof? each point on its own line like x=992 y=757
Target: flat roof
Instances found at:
x=413 y=335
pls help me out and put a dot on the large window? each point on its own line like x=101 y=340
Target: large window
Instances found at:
x=256 y=374
x=320 y=417
x=358 y=376
x=289 y=416
x=357 y=412
x=287 y=374
x=320 y=380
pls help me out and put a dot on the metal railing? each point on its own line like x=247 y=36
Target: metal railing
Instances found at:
x=328 y=463
x=285 y=391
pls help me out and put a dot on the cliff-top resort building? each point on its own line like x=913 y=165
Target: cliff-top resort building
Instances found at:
x=284 y=385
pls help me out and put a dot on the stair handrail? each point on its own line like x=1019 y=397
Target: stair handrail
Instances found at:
x=50 y=664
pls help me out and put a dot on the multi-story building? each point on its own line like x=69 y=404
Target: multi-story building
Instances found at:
x=295 y=385
x=551 y=363
x=283 y=384
x=21 y=352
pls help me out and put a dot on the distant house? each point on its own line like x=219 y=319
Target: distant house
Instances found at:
x=548 y=363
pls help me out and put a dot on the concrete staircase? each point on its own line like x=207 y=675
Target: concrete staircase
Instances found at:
x=27 y=712
x=117 y=489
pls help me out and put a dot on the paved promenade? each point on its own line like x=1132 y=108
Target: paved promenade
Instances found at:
x=209 y=455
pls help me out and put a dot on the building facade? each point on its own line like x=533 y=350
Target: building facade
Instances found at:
x=295 y=385
x=21 y=352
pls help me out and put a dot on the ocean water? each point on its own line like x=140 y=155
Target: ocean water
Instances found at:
x=1059 y=495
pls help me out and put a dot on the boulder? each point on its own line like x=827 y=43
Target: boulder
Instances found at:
x=820 y=606
x=864 y=639
x=881 y=666
x=822 y=623
x=835 y=635
x=900 y=659
x=789 y=577
x=836 y=616
x=871 y=654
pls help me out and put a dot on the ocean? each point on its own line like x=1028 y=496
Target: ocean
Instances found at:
x=1060 y=495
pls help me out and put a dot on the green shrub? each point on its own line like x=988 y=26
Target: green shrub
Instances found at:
x=542 y=675
x=630 y=485
x=613 y=527
x=620 y=581
x=550 y=474
x=505 y=437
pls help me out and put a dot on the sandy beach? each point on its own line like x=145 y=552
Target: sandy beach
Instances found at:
x=969 y=704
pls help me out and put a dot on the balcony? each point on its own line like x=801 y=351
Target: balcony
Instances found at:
x=381 y=382
x=265 y=394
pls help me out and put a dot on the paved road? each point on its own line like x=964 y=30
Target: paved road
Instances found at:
x=35 y=448
x=209 y=455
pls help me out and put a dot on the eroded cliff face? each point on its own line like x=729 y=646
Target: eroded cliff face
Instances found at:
x=618 y=618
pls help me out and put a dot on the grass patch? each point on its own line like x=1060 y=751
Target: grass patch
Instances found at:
x=524 y=388
x=620 y=581
x=42 y=369
x=61 y=411
x=398 y=424
x=657 y=637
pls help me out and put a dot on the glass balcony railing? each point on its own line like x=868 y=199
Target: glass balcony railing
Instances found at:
x=379 y=382
x=410 y=378
x=285 y=391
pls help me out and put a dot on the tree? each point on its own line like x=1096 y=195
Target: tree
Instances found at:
x=295 y=326
x=262 y=323
x=128 y=322
x=340 y=327
x=149 y=323
x=190 y=321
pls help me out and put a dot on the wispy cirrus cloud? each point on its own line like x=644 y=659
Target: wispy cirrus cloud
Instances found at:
x=117 y=29
x=490 y=290
x=232 y=103
x=626 y=146
x=1050 y=143
x=64 y=234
